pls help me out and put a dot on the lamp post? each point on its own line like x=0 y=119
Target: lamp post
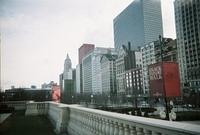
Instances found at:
x=109 y=100
x=72 y=99
x=91 y=99
x=165 y=98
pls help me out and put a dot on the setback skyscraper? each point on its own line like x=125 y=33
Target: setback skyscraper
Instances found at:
x=139 y=24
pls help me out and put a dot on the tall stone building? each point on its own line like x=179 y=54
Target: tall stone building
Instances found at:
x=67 y=82
x=187 y=16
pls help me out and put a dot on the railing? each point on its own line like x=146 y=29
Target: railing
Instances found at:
x=37 y=108
x=18 y=105
x=78 y=120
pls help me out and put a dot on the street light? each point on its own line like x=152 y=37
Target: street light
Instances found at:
x=72 y=99
x=91 y=99
x=108 y=99
x=165 y=98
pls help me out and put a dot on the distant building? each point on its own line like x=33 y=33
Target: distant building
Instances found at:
x=83 y=51
x=78 y=79
x=87 y=74
x=67 y=82
x=120 y=72
x=108 y=74
x=169 y=52
x=187 y=14
x=139 y=23
x=33 y=86
x=128 y=62
x=91 y=68
x=151 y=53
x=67 y=73
x=148 y=57
x=133 y=74
x=21 y=94
x=134 y=81
x=48 y=85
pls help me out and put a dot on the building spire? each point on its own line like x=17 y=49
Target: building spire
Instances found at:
x=68 y=56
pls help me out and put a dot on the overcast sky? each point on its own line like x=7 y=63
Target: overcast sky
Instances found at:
x=36 y=35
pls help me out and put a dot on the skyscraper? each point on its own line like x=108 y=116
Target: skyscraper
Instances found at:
x=140 y=23
x=67 y=80
x=187 y=16
x=82 y=52
x=67 y=74
x=91 y=68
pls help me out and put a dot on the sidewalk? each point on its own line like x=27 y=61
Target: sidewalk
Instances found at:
x=18 y=124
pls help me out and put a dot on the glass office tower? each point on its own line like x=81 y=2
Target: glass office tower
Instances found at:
x=139 y=24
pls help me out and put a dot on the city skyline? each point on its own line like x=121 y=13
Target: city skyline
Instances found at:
x=36 y=36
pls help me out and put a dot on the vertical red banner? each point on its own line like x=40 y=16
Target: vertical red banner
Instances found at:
x=164 y=79
x=171 y=79
x=156 y=80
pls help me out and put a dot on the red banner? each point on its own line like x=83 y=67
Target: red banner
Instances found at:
x=171 y=79
x=56 y=93
x=156 y=80
x=164 y=79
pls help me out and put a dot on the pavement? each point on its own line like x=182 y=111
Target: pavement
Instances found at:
x=19 y=124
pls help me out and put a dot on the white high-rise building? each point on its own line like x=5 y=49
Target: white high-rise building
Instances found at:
x=108 y=72
x=91 y=68
x=148 y=57
x=78 y=89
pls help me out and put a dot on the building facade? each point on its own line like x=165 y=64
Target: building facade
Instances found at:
x=67 y=73
x=67 y=82
x=120 y=72
x=169 y=50
x=139 y=23
x=91 y=68
x=83 y=51
x=78 y=79
x=133 y=75
x=187 y=16
x=134 y=82
x=108 y=73
x=87 y=74
x=148 y=57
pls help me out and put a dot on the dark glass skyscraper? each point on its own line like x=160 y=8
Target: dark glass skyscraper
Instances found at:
x=139 y=23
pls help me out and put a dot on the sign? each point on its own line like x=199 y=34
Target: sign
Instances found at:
x=164 y=79
x=156 y=80
x=171 y=79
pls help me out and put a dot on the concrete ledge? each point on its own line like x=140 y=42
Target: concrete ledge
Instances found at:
x=4 y=116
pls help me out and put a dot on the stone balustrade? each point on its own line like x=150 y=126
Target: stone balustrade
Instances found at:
x=37 y=108
x=18 y=105
x=78 y=120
